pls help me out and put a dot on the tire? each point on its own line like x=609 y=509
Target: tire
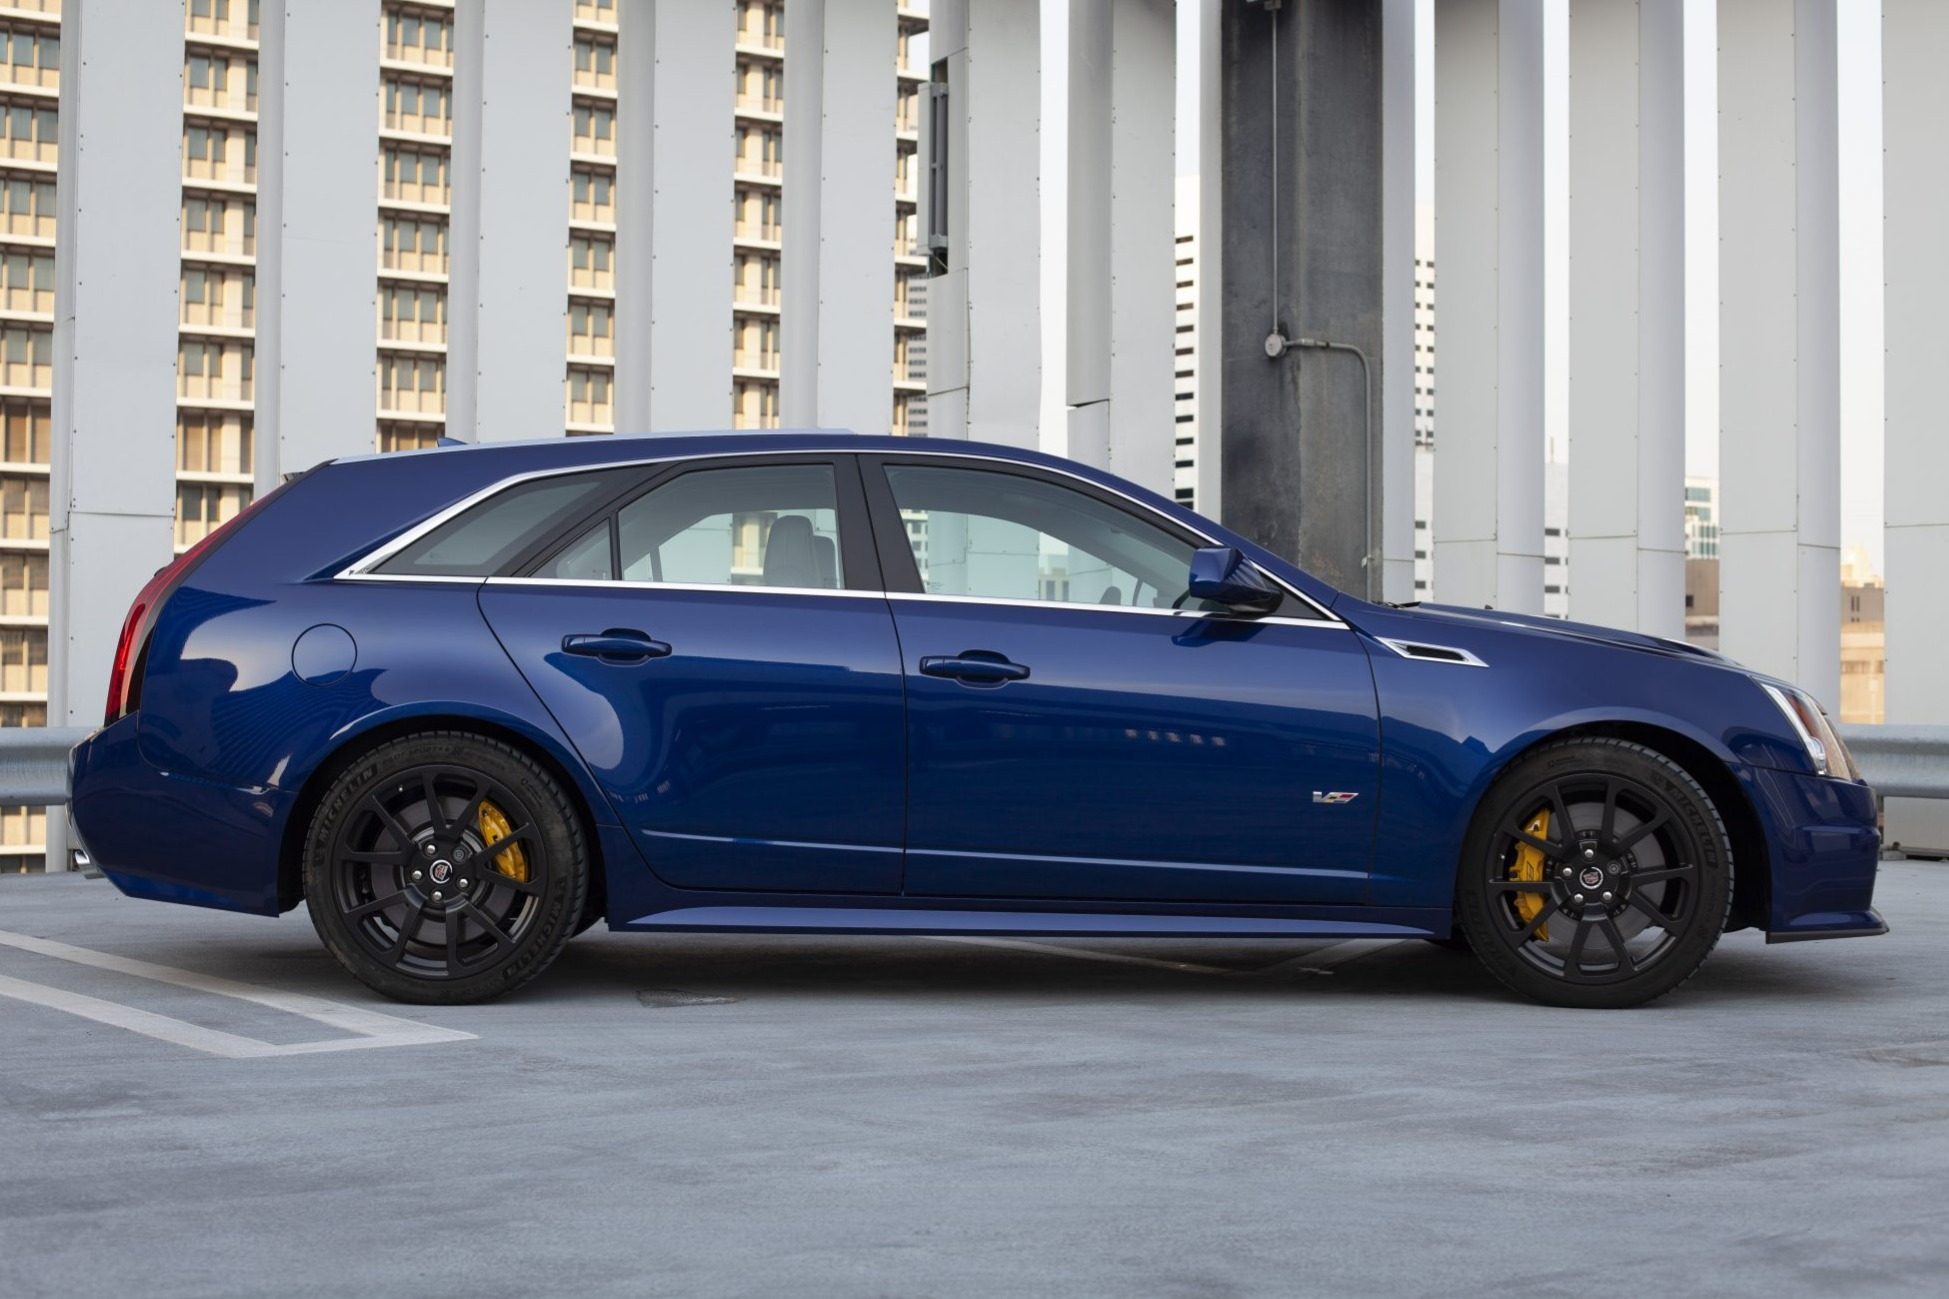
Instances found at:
x=445 y=868
x=1619 y=909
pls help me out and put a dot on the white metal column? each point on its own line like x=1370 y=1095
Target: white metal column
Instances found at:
x=1915 y=186
x=508 y=290
x=1779 y=340
x=1627 y=314
x=676 y=132
x=317 y=65
x=836 y=338
x=1488 y=525
x=1122 y=191
x=1399 y=20
x=984 y=333
x=112 y=495
x=1211 y=257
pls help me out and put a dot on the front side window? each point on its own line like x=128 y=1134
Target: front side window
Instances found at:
x=1004 y=536
x=760 y=526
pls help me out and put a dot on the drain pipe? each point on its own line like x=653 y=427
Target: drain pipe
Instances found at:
x=1276 y=344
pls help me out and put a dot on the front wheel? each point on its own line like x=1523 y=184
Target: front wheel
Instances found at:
x=1597 y=874
x=445 y=868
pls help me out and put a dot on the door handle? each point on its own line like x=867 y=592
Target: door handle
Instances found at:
x=617 y=645
x=977 y=667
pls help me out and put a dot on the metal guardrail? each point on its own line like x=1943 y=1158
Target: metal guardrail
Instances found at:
x=1899 y=761
x=34 y=764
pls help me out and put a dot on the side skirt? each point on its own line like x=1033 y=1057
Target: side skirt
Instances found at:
x=923 y=920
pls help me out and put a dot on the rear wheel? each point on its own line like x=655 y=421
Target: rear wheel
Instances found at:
x=445 y=868
x=1597 y=874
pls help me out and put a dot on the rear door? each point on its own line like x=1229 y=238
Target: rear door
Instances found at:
x=718 y=649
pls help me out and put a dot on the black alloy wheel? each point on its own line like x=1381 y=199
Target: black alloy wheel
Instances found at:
x=1597 y=874
x=445 y=868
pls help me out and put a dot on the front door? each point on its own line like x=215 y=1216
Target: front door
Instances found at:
x=719 y=652
x=1073 y=735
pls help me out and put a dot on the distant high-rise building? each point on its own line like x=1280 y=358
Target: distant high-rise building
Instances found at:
x=412 y=151
x=1701 y=518
x=1864 y=641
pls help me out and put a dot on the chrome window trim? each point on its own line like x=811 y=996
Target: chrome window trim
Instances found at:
x=1467 y=659
x=612 y=584
x=360 y=569
x=1080 y=607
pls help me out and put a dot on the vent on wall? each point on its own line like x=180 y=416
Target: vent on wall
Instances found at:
x=1410 y=649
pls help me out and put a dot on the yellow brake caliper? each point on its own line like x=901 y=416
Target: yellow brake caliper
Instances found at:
x=513 y=863
x=1529 y=866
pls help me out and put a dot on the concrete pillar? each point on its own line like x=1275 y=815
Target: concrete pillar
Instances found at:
x=1779 y=341
x=1304 y=236
x=675 y=129
x=111 y=499
x=984 y=333
x=1627 y=314
x=507 y=291
x=1488 y=524
x=1122 y=190
x=836 y=336
x=1400 y=20
x=317 y=65
x=1915 y=105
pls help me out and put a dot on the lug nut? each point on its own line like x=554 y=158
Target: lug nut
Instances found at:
x=1590 y=854
x=436 y=895
x=429 y=850
x=463 y=884
x=1607 y=897
x=416 y=875
x=1576 y=897
x=1565 y=872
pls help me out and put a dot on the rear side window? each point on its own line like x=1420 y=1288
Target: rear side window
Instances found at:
x=483 y=540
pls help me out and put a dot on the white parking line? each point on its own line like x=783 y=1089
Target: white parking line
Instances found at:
x=370 y=1028
x=1080 y=953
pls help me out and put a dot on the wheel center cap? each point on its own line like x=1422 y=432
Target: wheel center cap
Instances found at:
x=1592 y=877
x=440 y=871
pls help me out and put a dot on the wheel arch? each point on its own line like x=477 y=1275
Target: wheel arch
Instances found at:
x=1752 y=858
x=355 y=744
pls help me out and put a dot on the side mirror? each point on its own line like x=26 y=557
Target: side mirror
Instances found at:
x=1221 y=574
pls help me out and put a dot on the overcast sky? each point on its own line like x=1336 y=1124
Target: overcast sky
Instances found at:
x=1860 y=216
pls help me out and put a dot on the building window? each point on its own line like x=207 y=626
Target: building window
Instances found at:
x=595 y=62
x=213 y=371
x=425 y=107
x=413 y=315
x=25 y=426
x=591 y=262
x=27 y=207
x=761 y=151
x=407 y=437
x=754 y=279
x=413 y=383
x=594 y=128
x=756 y=214
x=31 y=57
x=414 y=245
x=594 y=195
x=757 y=345
x=415 y=175
x=591 y=329
x=754 y=404
x=26 y=356
x=213 y=443
x=589 y=397
x=23 y=660
x=202 y=508
x=419 y=36
x=29 y=131
x=27 y=281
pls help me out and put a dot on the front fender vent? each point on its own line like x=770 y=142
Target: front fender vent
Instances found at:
x=1414 y=649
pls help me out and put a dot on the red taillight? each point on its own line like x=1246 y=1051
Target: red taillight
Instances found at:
x=123 y=672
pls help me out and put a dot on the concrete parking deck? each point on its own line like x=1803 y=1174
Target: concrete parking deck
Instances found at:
x=726 y=1115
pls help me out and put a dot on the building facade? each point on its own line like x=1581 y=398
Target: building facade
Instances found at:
x=412 y=188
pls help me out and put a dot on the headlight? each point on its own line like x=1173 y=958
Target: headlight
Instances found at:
x=1824 y=747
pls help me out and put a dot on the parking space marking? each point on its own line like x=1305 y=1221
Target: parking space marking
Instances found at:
x=1080 y=953
x=370 y=1028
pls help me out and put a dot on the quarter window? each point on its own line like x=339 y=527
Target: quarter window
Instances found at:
x=483 y=540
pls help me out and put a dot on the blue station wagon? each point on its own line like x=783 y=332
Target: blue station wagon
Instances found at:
x=466 y=702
